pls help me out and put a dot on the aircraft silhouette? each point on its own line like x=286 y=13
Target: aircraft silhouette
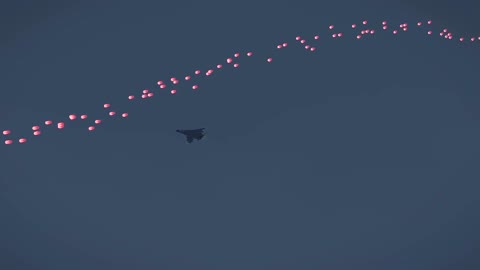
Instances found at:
x=191 y=134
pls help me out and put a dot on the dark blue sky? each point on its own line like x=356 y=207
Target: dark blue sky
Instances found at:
x=362 y=155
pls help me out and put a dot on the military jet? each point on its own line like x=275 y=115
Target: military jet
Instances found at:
x=191 y=134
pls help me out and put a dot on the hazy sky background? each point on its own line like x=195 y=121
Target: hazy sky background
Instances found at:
x=362 y=155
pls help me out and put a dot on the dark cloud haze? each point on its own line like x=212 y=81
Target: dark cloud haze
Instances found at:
x=363 y=155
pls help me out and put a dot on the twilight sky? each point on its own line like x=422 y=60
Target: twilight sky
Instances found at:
x=362 y=155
